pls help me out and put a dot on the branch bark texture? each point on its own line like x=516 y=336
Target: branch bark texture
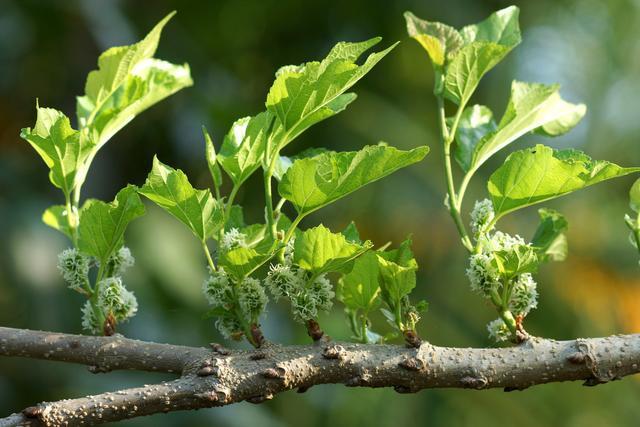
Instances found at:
x=216 y=376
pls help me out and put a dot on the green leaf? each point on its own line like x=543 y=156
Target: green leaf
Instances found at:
x=486 y=44
x=56 y=217
x=439 y=40
x=516 y=260
x=634 y=196
x=214 y=167
x=244 y=146
x=537 y=174
x=351 y=233
x=58 y=145
x=549 y=240
x=170 y=189
x=532 y=106
x=403 y=255
x=304 y=95
x=475 y=122
x=397 y=281
x=128 y=81
x=359 y=289
x=241 y=262
x=319 y=251
x=318 y=181
x=102 y=225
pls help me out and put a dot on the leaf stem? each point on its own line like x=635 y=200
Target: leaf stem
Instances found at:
x=229 y=204
x=446 y=138
x=271 y=223
x=205 y=248
x=292 y=228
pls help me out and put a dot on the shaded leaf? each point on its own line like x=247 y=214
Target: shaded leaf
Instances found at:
x=549 y=239
x=634 y=196
x=212 y=162
x=475 y=122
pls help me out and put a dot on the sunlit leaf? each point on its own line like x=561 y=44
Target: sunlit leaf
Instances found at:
x=319 y=251
x=537 y=174
x=532 y=106
x=170 y=189
x=57 y=218
x=486 y=44
x=317 y=181
x=102 y=225
x=244 y=146
x=359 y=289
x=59 y=146
x=439 y=40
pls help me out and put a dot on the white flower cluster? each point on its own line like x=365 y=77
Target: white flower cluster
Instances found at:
x=498 y=330
x=219 y=292
x=307 y=299
x=114 y=298
x=524 y=295
x=74 y=267
x=121 y=261
x=484 y=277
x=217 y=288
x=481 y=215
x=233 y=239
x=251 y=298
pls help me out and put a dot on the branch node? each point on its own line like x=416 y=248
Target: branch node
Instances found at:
x=412 y=364
x=261 y=398
x=277 y=373
x=218 y=348
x=314 y=331
x=412 y=339
x=477 y=383
x=333 y=352
x=32 y=411
x=208 y=369
x=258 y=355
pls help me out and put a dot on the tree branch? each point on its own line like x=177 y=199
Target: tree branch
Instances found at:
x=220 y=377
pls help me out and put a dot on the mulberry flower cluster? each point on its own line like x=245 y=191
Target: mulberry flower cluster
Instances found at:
x=223 y=295
x=483 y=274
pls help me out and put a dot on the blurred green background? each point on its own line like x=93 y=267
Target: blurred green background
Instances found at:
x=591 y=47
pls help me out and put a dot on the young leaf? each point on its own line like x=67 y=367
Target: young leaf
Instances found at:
x=243 y=147
x=537 y=174
x=402 y=256
x=359 y=289
x=240 y=262
x=304 y=95
x=319 y=251
x=549 y=240
x=102 y=225
x=318 y=181
x=397 y=281
x=486 y=44
x=128 y=81
x=351 y=233
x=439 y=40
x=516 y=260
x=475 y=122
x=58 y=145
x=170 y=189
x=212 y=162
x=56 y=217
x=532 y=106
